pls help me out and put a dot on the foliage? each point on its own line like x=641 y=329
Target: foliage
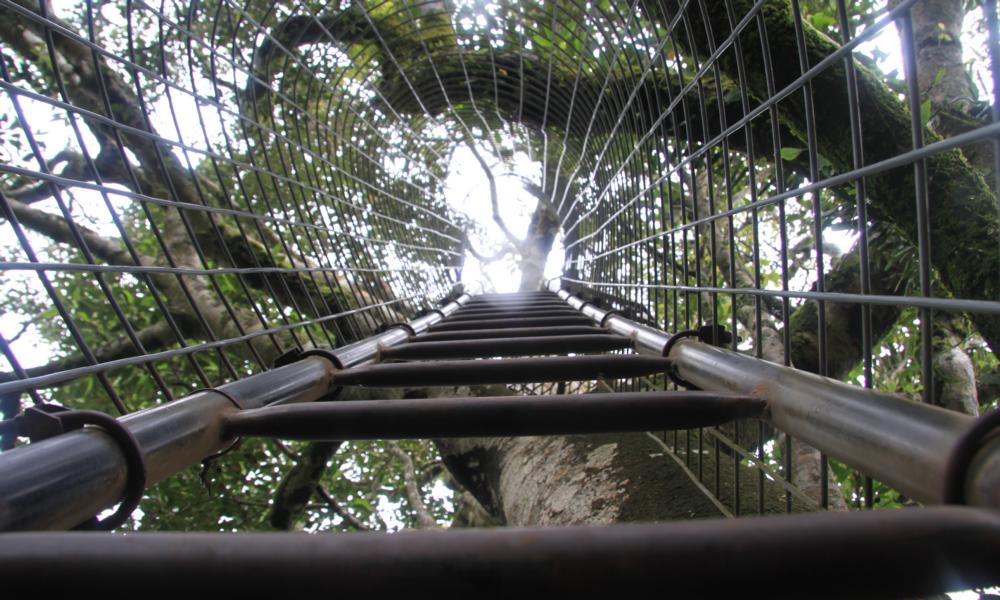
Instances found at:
x=308 y=138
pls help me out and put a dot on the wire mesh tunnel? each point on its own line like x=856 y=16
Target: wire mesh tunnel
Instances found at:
x=217 y=209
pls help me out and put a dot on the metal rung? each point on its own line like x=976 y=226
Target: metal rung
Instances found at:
x=470 y=334
x=522 y=294
x=516 y=346
x=510 y=322
x=511 y=370
x=516 y=308
x=513 y=314
x=493 y=416
x=513 y=305
x=894 y=553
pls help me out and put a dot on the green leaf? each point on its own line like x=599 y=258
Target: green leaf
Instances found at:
x=925 y=112
x=791 y=153
x=822 y=21
x=939 y=76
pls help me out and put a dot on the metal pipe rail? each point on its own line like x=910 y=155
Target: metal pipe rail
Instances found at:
x=518 y=314
x=515 y=370
x=510 y=322
x=60 y=482
x=505 y=346
x=492 y=416
x=510 y=332
x=892 y=553
x=916 y=448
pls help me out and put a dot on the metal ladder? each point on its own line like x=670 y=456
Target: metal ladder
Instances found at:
x=62 y=481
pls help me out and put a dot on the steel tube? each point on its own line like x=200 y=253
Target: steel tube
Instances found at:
x=473 y=316
x=555 y=303
x=512 y=370
x=516 y=346
x=62 y=481
x=367 y=349
x=905 y=444
x=889 y=554
x=514 y=296
x=510 y=322
x=647 y=340
x=470 y=334
x=513 y=307
x=480 y=303
x=493 y=416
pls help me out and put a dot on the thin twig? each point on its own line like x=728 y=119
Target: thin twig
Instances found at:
x=340 y=510
x=424 y=518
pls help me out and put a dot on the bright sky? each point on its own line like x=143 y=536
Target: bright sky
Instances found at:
x=467 y=191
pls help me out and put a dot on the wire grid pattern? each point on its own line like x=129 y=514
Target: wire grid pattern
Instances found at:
x=246 y=177
x=220 y=231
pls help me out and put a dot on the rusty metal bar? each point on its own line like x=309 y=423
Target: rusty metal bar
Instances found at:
x=512 y=370
x=480 y=301
x=60 y=482
x=515 y=295
x=906 y=444
x=515 y=307
x=493 y=416
x=366 y=350
x=887 y=554
x=516 y=346
x=463 y=315
x=510 y=322
x=475 y=334
x=647 y=340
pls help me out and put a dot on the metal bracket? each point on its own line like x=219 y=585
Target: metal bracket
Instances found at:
x=705 y=334
x=48 y=420
x=964 y=450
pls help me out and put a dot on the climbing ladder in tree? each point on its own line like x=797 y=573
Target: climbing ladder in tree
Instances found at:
x=82 y=462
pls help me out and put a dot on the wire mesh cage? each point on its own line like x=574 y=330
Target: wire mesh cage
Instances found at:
x=192 y=190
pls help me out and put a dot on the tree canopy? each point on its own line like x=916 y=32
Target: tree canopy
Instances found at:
x=191 y=190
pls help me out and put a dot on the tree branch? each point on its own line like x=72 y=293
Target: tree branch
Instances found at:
x=89 y=83
x=203 y=306
x=807 y=472
x=494 y=200
x=965 y=224
x=300 y=483
x=153 y=338
x=340 y=510
x=424 y=518
x=483 y=258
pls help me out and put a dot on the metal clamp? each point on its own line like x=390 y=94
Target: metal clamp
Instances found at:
x=956 y=468
x=705 y=334
x=47 y=420
x=387 y=326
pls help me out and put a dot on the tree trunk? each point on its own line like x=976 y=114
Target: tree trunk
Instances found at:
x=536 y=247
x=586 y=479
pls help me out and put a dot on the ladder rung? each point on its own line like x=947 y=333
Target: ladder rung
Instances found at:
x=511 y=370
x=511 y=322
x=513 y=305
x=525 y=294
x=469 y=334
x=493 y=416
x=504 y=308
x=512 y=314
x=516 y=346
x=895 y=553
